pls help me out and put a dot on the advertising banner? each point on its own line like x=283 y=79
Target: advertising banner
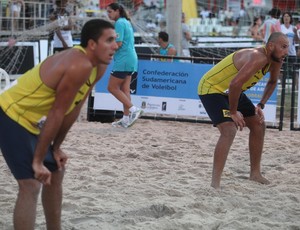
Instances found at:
x=171 y=88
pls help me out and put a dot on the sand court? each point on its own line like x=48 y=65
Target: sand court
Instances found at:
x=156 y=175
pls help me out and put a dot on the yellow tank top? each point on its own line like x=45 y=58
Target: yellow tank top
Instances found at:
x=218 y=78
x=29 y=100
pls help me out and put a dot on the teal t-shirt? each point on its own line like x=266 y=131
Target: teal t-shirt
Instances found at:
x=125 y=59
x=164 y=51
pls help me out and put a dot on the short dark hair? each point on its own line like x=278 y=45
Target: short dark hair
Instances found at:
x=274 y=12
x=93 y=29
x=164 y=36
x=291 y=21
x=274 y=36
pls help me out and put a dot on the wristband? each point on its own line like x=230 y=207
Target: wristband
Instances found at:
x=261 y=105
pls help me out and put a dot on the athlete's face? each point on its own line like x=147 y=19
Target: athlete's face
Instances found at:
x=280 y=49
x=106 y=46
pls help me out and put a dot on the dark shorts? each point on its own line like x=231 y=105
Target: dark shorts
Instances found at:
x=217 y=107
x=17 y=146
x=123 y=74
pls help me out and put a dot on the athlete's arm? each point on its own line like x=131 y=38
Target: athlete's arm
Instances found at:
x=248 y=63
x=66 y=90
x=272 y=82
x=69 y=120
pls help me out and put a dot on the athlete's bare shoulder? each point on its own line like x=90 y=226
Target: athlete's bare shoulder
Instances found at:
x=69 y=63
x=251 y=56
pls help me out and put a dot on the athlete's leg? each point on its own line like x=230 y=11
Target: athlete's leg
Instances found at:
x=227 y=133
x=256 y=141
x=52 y=200
x=25 y=208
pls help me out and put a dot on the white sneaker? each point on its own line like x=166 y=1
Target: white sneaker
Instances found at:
x=120 y=123
x=134 y=116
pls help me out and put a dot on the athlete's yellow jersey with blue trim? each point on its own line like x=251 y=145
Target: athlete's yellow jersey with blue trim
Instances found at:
x=218 y=78
x=29 y=100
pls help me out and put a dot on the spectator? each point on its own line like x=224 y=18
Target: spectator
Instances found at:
x=151 y=26
x=271 y=24
x=298 y=28
x=228 y=16
x=221 y=16
x=159 y=17
x=166 y=48
x=163 y=25
x=298 y=35
x=290 y=31
x=15 y=12
x=236 y=27
x=254 y=30
x=242 y=16
x=62 y=38
x=204 y=13
x=92 y=10
x=186 y=37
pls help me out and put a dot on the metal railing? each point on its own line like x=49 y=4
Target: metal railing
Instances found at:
x=32 y=15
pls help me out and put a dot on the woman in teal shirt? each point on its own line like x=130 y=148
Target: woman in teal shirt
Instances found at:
x=125 y=65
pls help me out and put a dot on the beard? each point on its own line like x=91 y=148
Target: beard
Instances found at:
x=276 y=59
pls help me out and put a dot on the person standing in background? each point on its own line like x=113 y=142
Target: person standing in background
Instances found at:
x=271 y=24
x=290 y=31
x=62 y=38
x=15 y=12
x=124 y=67
x=166 y=48
x=298 y=34
x=186 y=37
x=254 y=30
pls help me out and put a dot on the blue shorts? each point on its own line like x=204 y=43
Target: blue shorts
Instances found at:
x=217 y=107
x=123 y=74
x=17 y=146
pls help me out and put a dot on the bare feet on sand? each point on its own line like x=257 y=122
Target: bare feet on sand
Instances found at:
x=260 y=179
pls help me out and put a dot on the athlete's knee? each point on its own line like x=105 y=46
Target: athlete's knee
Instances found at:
x=255 y=123
x=57 y=178
x=29 y=187
x=228 y=129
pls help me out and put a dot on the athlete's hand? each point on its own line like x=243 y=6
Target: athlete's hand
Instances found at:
x=60 y=158
x=260 y=114
x=41 y=173
x=238 y=120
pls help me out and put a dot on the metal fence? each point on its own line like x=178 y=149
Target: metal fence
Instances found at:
x=32 y=15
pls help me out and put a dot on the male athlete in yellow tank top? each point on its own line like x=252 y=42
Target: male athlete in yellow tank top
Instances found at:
x=38 y=110
x=29 y=99
x=221 y=93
